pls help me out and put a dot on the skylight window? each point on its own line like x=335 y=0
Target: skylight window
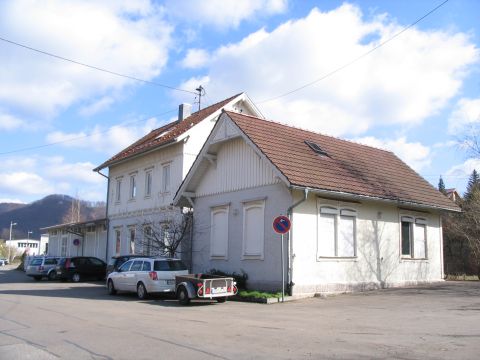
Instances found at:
x=316 y=148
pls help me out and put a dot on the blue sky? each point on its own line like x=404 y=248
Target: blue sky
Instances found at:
x=417 y=95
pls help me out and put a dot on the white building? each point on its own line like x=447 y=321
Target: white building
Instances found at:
x=143 y=178
x=361 y=218
x=88 y=238
x=30 y=247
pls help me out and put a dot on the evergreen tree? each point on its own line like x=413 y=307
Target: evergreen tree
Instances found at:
x=441 y=186
x=473 y=185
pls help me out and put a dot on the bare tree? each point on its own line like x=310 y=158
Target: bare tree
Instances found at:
x=165 y=237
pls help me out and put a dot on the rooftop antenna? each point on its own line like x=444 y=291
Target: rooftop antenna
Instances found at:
x=201 y=92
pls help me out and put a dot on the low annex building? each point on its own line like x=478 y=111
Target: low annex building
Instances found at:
x=87 y=238
x=361 y=218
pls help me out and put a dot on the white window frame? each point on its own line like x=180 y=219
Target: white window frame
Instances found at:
x=166 y=177
x=246 y=207
x=148 y=183
x=133 y=186
x=216 y=210
x=414 y=221
x=337 y=213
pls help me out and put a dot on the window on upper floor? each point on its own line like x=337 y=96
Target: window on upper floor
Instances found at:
x=166 y=178
x=118 y=241
x=118 y=190
x=219 y=232
x=253 y=229
x=413 y=237
x=337 y=232
x=133 y=186
x=148 y=183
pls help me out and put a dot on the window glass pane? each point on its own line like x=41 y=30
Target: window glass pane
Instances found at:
x=96 y=262
x=219 y=233
x=148 y=183
x=326 y=235
x=161 y=265
x=146 y=266
x=253 y=230
x=137 y=266
x=126 y=266
x=419 y=241
x=406 y=238
x=346 y=236
x=36 y=262
x=118 y=190
x=132 y=240
x=166 y=178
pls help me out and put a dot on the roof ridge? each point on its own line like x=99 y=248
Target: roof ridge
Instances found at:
x=311 y=131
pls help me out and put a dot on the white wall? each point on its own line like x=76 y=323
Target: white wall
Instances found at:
x=93 y=244
x=33 y=248
x=378 y=260
x=262 y=273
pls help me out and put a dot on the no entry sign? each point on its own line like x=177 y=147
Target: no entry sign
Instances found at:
x=281 y=224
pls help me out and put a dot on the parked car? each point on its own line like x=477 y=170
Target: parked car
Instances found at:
x=116 y=261
x=40 y=267
x=81 y=267
x=146 y=276
x=4 y=261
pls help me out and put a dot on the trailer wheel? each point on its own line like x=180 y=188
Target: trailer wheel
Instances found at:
x=221 y=299
x=182 y=296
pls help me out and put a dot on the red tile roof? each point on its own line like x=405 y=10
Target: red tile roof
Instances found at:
x=349 y=167
x=155 y=138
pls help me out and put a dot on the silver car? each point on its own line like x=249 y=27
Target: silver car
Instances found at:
x=40 y=267
x=146 y=276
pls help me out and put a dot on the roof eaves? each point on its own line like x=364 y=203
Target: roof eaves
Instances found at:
x=346 y=195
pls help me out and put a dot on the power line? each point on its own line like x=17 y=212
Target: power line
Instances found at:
x=94 y=67
x=356 y=59
x=81 y=137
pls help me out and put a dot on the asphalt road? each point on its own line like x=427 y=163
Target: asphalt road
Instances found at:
x=51 y=320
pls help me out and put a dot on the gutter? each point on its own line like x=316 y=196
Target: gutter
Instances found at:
x=290 y=243
x=107 y=223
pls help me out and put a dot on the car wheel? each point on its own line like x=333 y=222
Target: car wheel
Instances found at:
x=141 y=291
x=111 y=288
x=182 y=296
x=221 y=299
x=38 y=278
x=76 y=277
x=52 y=275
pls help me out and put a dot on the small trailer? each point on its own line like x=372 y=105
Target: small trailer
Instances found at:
x=204 y=286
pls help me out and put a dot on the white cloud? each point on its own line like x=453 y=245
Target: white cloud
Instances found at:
x=11 y=201
x=195 y=58
x=9 y=122
x=126 y=37
x=108 y=141
x=26 y=183
x=464 y=170
x=97 y=106
x=404 y=82
x=416 y=155
x=57 y=169
x=465 y=114
x=223 y=13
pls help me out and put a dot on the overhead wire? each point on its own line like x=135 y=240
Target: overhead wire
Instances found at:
x=351 y=62
x=83 y=136
x=94 y=67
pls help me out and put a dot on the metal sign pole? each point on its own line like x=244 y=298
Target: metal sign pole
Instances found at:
x=283 y=272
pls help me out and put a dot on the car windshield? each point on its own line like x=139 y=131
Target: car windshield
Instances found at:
x=169 y=265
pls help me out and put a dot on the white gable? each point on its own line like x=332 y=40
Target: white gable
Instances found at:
x=237 y=166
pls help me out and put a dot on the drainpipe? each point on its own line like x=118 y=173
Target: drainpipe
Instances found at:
x=289 y=241
x=106 y=214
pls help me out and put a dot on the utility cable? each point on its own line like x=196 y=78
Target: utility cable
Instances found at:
x=356 y=59
x=83 y=136
x=95 y=67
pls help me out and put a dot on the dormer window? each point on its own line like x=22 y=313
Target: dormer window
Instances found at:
x=315 y=147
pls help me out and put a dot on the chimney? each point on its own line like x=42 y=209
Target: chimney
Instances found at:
x=184 y=111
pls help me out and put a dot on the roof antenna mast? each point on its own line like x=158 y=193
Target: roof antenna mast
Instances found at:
x=201 y=92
